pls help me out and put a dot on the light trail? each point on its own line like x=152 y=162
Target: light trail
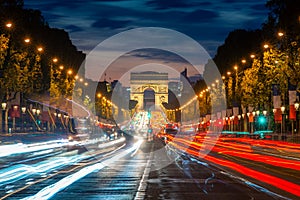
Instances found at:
x=17 y=172
x=263 y=177
x=20 y=148
x=51 y=190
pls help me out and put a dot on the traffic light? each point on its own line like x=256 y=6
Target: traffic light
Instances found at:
x=261 y=120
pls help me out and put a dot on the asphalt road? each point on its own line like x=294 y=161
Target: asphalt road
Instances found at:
x=125 y=170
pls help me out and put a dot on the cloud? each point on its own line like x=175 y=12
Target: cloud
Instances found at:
x=169 y=4
x=201 y=16
x=165 y=4
x=73 y=28
x=157 y=54
x=110 y=23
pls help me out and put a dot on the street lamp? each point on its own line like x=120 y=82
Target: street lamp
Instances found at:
x=266 y=46
x=4 y=105
x=8 y=25
x=282 y=108
x=4 y=121
x=33 y=111
x=240 y=127
x=296 y=104
x=27 y=40
x=280 y=34
x=264 y=112
x=23 y=109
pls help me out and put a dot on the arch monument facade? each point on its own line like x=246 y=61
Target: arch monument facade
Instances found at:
x=158 y=82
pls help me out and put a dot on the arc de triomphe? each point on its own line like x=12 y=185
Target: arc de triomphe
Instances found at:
x=158 y=82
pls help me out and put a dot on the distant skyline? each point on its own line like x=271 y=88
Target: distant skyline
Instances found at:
x=207 y=22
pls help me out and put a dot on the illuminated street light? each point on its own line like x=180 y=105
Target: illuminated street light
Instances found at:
x=228 y=73
x=282 y=108
x=223 y=77
x=266 y=46
x=4 y=105
x=8 y=25
x=264 y=112
x=70 y=72
x=54 y=60
x=99 y=95
x=23 y=109
x=243 y=61
x=27 y=40
x=296 y=105
x=280 y=34
x=40 y=49
x=235 y=67
x=86 y=84
x=61 y=67
x=252 y=56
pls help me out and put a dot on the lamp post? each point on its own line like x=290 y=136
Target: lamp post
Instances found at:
x=297 y=115
x=23 y=109
x=253 y=123
x=282 y=108
x=4 y=123
x=239 y=117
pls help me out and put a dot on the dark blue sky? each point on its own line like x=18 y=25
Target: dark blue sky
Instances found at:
x=208 y=22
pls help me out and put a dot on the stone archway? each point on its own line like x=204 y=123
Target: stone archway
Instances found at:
x=158 y=82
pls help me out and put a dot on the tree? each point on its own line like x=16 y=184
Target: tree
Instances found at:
x=239 y=44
